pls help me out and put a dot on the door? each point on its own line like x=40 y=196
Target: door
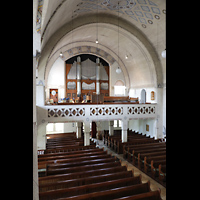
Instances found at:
x=54 y=95
x=94 y=130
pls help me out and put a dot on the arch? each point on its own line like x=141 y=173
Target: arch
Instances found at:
x=110 y=20
x=143 y=96
x=119 y=83
x=110 y=57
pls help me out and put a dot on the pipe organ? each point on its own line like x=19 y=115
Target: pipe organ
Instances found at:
x=86 y=77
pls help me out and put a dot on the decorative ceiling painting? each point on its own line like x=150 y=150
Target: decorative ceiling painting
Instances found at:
x=39 y=15
x=142 y=11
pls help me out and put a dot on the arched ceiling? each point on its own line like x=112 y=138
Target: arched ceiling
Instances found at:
x=68 y=24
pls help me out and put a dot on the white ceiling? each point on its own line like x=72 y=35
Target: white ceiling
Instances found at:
x=141 y=34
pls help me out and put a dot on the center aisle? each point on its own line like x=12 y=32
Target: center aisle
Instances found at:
x=153 y=184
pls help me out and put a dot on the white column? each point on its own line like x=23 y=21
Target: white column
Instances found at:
x=111 y=128
x=35 y=156
x=159 y=118
x=97 y=76
x=124 y=130
x=86 y=125
x=78 y=129
x=78 y=69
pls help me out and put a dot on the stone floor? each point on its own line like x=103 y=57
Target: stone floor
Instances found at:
x=153 y=184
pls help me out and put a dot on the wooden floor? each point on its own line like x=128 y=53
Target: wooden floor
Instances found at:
x=153 y=184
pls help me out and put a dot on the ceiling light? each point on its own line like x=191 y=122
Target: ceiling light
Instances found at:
x=126 y=56
x=97 y=41
x=118 y=70
x=61 y=54
x=163 y=53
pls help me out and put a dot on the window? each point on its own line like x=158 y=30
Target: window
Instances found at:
x=55 y=128
x=117 y=124
x=119 y=90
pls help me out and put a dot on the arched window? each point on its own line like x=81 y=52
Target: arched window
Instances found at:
x=119 y=88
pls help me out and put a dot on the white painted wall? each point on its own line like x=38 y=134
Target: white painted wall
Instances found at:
x=140 y=126
x=136 y=92
x=114 y=77
x=53 y=128
x=56 y=78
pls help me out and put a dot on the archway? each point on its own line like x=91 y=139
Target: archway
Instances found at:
x=143 y=96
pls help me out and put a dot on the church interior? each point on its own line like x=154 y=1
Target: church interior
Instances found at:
x=99 y=99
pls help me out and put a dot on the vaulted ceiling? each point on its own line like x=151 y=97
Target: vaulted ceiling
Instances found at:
x=133 y=28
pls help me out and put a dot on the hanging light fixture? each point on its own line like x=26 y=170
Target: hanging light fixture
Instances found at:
x=163 y=53
x=118 y=70
x=61 y=54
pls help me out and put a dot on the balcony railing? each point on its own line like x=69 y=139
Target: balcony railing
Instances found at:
x=94 y=112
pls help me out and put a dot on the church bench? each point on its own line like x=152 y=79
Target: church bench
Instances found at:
x=82 y=163
x=152 y=195
x=72 y=155
x=84 y=181
x=65 y=145
x=63 y=140
x=85 y=189
x=71 y=148
x=133 y=141
x=82 y=168
x=155 y=166
x=68 y=160
x=57 y=181
x=134 y=150
x=113 y=193
x=150 y=150
x=128 y=147
x=147 y=161
x=61 y=135
x=162 y=172
x=60 y=177
x=142 y=148
x=140 y=156
x=116 y=99
x=71 y=152
x=118 y=145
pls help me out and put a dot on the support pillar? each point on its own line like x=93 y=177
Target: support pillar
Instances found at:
x=78 y=70
x=99 y=130
x=86 y=133
x=124 y=131
x=78 y=129
x=111 y=128
x=97 y=76
x=159 y=118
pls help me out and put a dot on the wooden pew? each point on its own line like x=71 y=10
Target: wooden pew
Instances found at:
x=128 y=148
x=66 y=180
x=71 y=148
x=85 y=189
x=156 y=152
x=70 y=152
x=162 y=172
x=82 y=163
x=85 y=181
x=155 y=167
x=72 y=155
x=147 y=161
x=133 y=150
x=82 y=168
x=152 y=195
x=77 y=159
x=114 y=193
